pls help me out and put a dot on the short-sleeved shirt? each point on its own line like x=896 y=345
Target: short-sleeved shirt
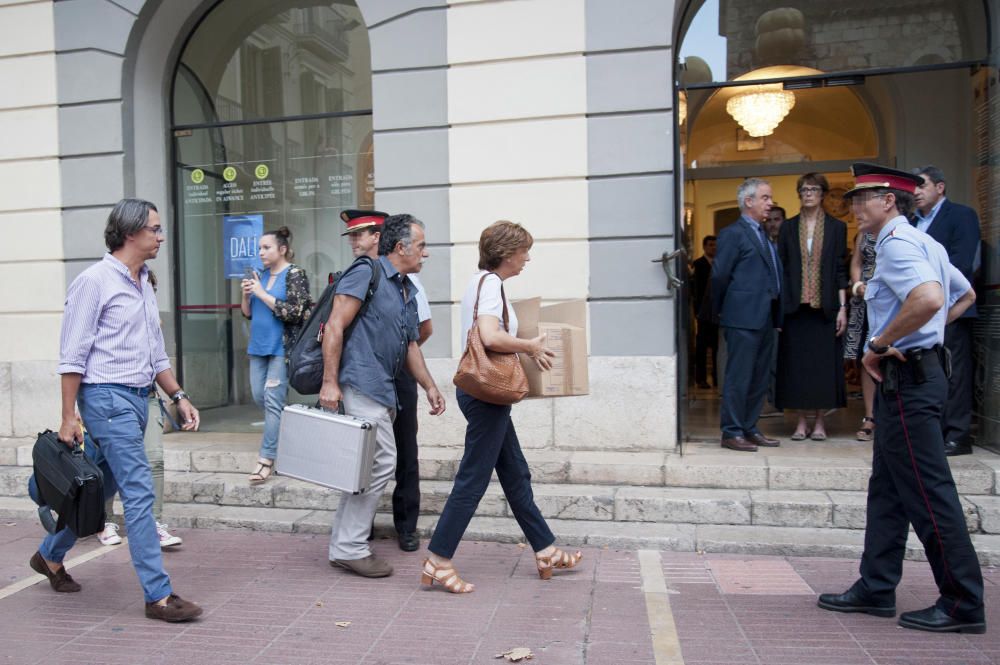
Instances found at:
x=266 y=329
x=423 y=305
x=905 y=258
x=490 y=303
x=376 y=349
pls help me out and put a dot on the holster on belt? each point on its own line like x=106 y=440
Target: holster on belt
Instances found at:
x=915 y=360
x=890 y=376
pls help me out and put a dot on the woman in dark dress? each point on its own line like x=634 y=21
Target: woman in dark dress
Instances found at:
x=812 y=246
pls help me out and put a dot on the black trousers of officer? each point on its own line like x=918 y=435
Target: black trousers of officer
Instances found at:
x=911 y=483
x=406 y=496
x=957 y=419
x=707 y=337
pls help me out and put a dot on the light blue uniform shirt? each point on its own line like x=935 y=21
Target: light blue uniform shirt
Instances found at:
x=905 y=258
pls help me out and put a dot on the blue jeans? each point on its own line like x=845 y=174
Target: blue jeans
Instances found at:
x=269 y=385
x=116 y=419
x=490 y=443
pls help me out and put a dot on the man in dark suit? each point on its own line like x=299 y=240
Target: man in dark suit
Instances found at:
x=708 y=331
x=957 y=228
x=746 y=287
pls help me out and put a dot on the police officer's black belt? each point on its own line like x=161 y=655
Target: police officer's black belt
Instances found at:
x=919 y=363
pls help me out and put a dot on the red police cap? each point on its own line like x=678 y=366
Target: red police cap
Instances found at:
x=358 y=220
x=873 y=176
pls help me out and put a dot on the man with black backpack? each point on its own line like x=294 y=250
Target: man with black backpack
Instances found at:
x=364 y=229
x=360 y=372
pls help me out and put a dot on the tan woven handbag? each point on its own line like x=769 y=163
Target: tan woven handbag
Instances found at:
x=490 y=376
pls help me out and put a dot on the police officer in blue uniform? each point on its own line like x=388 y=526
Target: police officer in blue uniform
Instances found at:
x=914 y=292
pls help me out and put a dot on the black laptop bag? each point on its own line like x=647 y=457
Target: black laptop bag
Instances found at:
x=70 y=484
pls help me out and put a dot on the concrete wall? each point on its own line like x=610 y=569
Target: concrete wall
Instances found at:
x=31 y=196
x=554 y=113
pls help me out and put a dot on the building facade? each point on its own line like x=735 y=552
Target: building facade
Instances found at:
x=558 y=114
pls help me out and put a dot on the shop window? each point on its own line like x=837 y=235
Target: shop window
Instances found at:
x=272 y=127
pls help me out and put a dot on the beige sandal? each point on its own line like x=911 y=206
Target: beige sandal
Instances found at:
x=445 y=576
x=867 y=431
x=558 y=559
x=261 y=473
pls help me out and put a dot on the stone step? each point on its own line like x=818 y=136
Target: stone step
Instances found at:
x=735 y=539
x=837 y=467
x=586 y=503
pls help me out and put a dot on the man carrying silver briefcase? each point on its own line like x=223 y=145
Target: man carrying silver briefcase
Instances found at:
x=360 y=374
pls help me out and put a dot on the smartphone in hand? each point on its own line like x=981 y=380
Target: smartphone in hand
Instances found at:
x=249 y=273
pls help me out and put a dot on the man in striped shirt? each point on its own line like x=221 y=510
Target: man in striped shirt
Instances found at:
x=111 y=352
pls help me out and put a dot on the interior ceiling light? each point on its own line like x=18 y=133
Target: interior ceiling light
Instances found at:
x=760 y=108
x=682 y=107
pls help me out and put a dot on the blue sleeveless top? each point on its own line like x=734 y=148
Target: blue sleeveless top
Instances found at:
x=265 y=328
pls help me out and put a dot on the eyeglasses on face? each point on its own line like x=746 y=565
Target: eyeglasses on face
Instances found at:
x=810 y=189
x=862 y=199
x=155 y=230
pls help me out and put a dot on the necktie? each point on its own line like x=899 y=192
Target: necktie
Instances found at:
x=769 y=251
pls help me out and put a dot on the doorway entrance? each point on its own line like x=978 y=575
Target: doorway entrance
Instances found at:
x=272 y=127
x=778 y=90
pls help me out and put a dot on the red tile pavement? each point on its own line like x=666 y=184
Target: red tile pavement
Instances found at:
x=272 y=598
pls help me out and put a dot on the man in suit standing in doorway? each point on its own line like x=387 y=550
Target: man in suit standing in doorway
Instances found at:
x=708 y=331
x=746 y=287
x=957 y=228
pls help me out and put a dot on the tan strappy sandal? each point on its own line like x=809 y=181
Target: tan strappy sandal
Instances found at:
x=445 y=576
x=558 y=559
x=261 y=473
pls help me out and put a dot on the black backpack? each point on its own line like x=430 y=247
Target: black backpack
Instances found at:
x=305 y=360
x=70 y=484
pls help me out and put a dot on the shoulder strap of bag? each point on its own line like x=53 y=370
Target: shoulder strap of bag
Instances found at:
x=503 y=297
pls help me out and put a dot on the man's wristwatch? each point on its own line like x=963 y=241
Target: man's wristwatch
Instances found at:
x=877 y=349
x=178 y=396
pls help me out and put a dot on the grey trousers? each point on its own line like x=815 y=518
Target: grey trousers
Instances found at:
x=353 y=520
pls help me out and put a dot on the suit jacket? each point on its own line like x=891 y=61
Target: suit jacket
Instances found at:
x=833 y=268
x=957 y=228
x=699 y=283
x=743 y=282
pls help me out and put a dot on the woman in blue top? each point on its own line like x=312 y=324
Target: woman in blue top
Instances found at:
x=277 y=303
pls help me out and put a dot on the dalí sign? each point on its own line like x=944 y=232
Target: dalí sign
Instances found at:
x=240 y=235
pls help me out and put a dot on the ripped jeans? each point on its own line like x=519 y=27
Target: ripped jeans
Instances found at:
x=269 y=385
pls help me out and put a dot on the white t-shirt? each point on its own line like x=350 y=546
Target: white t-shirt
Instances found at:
x=423 y=306
x=490 y=303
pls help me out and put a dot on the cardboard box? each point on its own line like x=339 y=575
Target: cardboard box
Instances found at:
x=565 y=327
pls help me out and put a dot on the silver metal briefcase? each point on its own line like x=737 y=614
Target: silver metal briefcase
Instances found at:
x=326 y=448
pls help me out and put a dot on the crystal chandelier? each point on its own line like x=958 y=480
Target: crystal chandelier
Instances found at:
x=682 y=107
x=760 y=109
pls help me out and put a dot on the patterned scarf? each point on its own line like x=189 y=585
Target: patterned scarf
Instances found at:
x=811 y=263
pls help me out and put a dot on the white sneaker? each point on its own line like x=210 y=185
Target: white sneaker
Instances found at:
x=166 y=540
x=110 y=534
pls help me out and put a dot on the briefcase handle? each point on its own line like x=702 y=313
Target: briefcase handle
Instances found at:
x=47 y=520
x=340 y=408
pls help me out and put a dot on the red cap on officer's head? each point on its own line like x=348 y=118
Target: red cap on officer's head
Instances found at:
x=358 y=220
x=873 y=176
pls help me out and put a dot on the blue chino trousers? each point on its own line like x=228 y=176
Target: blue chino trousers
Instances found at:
x=116 y=419
x=490 y=443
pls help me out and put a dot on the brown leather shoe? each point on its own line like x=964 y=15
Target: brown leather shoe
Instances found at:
x=176 y=609
x=60 y=580
x=370 y=566
x=740 y=444
x=762 y=440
